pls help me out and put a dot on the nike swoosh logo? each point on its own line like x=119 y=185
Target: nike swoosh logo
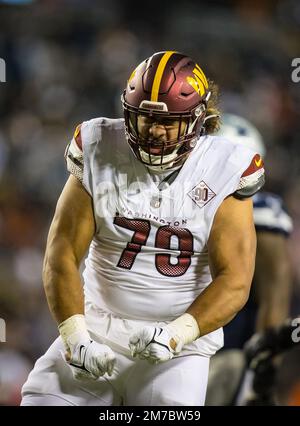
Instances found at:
x=82 y=366
x=258 y=162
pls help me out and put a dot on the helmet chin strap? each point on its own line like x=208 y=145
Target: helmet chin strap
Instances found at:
x=208 y=117
x=156 y=164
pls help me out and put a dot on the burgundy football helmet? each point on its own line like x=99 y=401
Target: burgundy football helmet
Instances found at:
x=167 y=86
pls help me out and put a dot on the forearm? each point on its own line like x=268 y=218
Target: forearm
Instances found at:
x=271 y=315
x=272 y=280
x=63 y=286
x=274 y=302
x=219 y=303
x=212 y=309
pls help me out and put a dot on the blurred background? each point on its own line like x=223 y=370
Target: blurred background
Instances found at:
x=68 y=61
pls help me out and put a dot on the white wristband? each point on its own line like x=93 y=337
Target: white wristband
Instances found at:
x=73 y=330
x=185 y=329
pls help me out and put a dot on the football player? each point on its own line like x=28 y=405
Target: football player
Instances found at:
x=165 y=211
x=269 y=302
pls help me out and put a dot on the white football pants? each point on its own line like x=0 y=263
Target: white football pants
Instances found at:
x=181 y=381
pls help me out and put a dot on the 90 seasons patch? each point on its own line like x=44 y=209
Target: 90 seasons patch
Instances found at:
x=201 y=194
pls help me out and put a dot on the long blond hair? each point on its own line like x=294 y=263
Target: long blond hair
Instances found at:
x=212 y=125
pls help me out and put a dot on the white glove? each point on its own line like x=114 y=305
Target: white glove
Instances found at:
x=90 y=360
x=153 y=343
x=87 y=358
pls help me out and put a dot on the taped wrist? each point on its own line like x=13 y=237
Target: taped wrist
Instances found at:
x=73 y=330
x=184 y=329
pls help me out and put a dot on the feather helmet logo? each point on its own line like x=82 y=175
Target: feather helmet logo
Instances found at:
x=198 y=82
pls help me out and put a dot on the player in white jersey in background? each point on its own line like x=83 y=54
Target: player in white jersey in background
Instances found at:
x=269 y=302
x=165 y=210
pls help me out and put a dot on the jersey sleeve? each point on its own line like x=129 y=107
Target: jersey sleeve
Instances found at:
x=270 y=214
x=74 y=155
x=252 y=180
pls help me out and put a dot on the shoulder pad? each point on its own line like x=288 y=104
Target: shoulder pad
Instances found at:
x=252 y=180
x=74 y=155
x=270 y=214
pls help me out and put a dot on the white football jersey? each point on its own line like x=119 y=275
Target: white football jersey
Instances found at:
x=148 y=260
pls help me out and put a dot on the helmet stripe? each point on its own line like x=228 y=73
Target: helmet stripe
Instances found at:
x=159 y=73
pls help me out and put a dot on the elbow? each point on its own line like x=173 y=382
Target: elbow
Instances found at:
x=241 y=285
x=244 y=296
x=241 y=296
x=238 y=290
